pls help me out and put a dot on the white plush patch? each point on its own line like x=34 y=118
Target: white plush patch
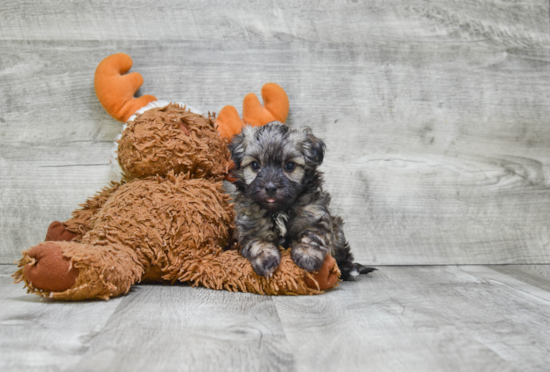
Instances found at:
x=113 y=160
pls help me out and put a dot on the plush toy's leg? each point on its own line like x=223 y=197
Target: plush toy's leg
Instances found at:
x=79 y=224
x=231 y=271
x=327 y=277
x=58 y=233
x=75 y=271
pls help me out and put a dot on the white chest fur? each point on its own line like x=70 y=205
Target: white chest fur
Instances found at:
x=280 y=220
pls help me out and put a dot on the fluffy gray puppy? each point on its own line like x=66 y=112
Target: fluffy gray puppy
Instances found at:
x=280 y=201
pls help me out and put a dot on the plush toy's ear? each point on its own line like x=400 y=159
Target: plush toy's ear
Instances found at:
x=115 y=89
x=275 y=106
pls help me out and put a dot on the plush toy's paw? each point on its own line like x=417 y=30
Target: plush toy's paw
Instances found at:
x=275 y=106
x=326 y=277
x=47 y=269
x=58 y=233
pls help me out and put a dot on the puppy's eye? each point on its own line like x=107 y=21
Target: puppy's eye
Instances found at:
x=255 y=165
x=290 y=166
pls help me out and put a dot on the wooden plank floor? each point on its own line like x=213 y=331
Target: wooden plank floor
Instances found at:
x=426 y=318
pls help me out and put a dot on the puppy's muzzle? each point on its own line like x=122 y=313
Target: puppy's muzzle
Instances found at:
x=270 y=189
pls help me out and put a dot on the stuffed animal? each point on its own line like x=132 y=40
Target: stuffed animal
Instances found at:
x=169 y=218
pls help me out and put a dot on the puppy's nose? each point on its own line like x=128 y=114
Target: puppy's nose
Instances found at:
x=270 y=188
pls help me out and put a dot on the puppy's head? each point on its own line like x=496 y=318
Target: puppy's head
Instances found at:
x=275 y=163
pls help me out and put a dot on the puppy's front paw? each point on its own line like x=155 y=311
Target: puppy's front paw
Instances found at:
x=308 y=256
x=264 y=257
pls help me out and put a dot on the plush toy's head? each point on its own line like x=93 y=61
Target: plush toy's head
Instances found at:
x=161 y=137
x=171 y=138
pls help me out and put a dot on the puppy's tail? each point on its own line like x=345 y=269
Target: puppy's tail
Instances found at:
x=344 y=257
x=349 y=268
x=364 y=269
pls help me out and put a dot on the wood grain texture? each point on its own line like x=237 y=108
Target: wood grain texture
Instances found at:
x=350 y=22
x=535 y=275
x=421 y=318
x=164 y=328
x=434 y=113
x=447 y=318
x=41 y=335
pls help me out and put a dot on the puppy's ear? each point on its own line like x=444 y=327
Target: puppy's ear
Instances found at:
x=237 y=148
x=314 y=148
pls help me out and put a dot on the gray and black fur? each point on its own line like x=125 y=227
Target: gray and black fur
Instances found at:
x=280 y=201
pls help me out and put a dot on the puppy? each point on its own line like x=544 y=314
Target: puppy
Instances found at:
x=280 y=201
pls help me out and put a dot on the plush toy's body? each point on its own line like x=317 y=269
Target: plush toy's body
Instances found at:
x=169 y=219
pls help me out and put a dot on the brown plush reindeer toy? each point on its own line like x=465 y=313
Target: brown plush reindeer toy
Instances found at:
x=169 y=218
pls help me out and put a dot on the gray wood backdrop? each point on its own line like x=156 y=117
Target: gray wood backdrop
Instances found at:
x=435 y=112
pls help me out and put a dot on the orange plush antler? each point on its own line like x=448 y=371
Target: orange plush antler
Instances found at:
x=275 y=108
x=115 y=89
x=229 y=122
